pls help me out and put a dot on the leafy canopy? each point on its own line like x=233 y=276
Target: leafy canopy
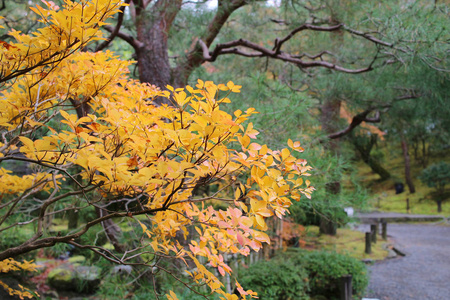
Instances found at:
x=123 y=148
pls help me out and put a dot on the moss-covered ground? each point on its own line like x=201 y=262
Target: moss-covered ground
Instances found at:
x=346 y=241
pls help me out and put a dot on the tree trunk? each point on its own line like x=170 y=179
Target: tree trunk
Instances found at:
x=364 y=148
x=408 y=178
x=152 y=28
x=378 y=168
x=424 y=154
x=112 y=231
x=72 y=217
x=327 y=226
x=329 y=119
x=439 y=206
x=330 y=111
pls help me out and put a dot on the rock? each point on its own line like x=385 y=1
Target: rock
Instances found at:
x=61 y=278
x=88 y=278
x=391 y=253
x=74 y=278
x=399 y=252
x=368 y=261
x=122 y=270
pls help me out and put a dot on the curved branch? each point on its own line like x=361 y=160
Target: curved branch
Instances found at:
x=279 y=43
x=194 y=58
x=260 y=51
x=240 y=46
x=51 y=241
x=363 y=117
x=116 y=30
x=356 y=121
x=136 y=44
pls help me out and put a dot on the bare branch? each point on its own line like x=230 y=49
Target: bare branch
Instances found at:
x=306 y=26
x=115 y=31
x=194 y=58
x=260 y=51
x=137 y=45
x=363 y=117
x=356 y=121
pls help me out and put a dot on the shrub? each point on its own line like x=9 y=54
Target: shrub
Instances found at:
x=300 y=274
x=325 y=269
x=276 y=279
x=436 y=176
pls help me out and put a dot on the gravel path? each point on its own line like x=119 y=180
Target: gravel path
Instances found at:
x=423 y=274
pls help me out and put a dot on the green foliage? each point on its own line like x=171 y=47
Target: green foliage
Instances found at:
x=276 y=279
x=300 y=274
x=325 y=269
x=436 y=176
x=9 y=238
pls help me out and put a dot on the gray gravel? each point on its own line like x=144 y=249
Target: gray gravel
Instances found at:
x=423 y=274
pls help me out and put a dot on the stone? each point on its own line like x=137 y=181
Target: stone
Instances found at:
x=74 y=278
x=350 y=211
x=87 y=278
x=368 y=261
x=61 y=278
x=391 y=253
x=122 y=270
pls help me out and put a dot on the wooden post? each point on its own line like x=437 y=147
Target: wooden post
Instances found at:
x=368 y=245
x=384 y=229
x=373 y=231
x=407 y=206
x=346 y=287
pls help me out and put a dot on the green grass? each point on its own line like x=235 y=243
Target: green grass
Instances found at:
x=383 y=197
x=346 y=241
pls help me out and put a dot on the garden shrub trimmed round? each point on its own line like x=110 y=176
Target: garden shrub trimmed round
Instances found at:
x=326 y=268
x=301 y=274
x=276 y=280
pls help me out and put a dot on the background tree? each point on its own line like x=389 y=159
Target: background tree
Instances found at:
x=437 y=176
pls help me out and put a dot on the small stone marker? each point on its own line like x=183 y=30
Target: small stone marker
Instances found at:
x=346 y=287
x=350 y=211
x=368 y=249
x=384 y=229
x=373 y=231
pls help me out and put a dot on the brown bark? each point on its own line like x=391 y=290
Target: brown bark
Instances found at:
x=154 y=20
x=439 y=206
x=152 y=28
x=329 y=119
x=364 y=148
x=194 y=58
x=408 y=178
x=112 y=231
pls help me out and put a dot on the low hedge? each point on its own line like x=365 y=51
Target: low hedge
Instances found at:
x=303 y=274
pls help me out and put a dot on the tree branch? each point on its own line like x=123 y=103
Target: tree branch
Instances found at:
x=194 y=58
x=356 y=121
x=116 y=30
x=136 y=44
x=260 y=51
x=238 y=47
x=279 y=43
x=363 y=117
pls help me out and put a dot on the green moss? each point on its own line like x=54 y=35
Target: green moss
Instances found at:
x=77 y=259
x=60 y=275
x=346 y=241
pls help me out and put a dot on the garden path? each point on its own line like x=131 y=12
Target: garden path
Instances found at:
x=423 y=274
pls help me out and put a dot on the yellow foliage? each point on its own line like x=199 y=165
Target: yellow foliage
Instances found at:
x=125 y=146
x=9 y=265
